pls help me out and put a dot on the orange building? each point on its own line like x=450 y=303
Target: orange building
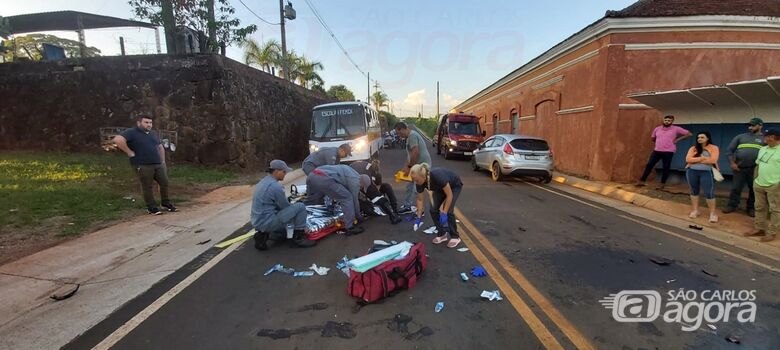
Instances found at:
x=578 y=95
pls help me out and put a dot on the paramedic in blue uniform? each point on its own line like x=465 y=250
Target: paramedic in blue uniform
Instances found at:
x=342 y=184
x=326 y=156
x=445 y=186
x=271 y=211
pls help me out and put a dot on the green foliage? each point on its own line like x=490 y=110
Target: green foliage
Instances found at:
x=76 y=189
x=379 y=99
x=269 y=54
x=341 y=93
x=426 y=125
x=31 y=46
x=194 y=14
x=389 y=119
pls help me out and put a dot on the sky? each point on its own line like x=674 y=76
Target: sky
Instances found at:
x=406 y=46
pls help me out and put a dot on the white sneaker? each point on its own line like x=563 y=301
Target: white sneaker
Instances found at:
x=694 y=214
x=713 y=218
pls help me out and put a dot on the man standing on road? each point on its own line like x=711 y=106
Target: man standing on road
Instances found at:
x=767 y=188
x=417 y=153
x=272 y=212
x=147 y=156
x=326 y=156
x=665 y=138
x=742 y=153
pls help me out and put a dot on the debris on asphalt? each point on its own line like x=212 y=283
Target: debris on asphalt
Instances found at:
x=670 y=281
x=303 y=274
x=464 y=249
x=494 y=295
x=709 y=273
x=280 y=268
x=431 y=230
x=712 y=327
x=696 y=227
x=464 y=277
x=65 y=292
x=199 y=230
x=320 y=270
x=661 y=261
x=733 y=339
x=478 y=271
x=380 y=242
x=439 y=306
x=204 y=242
x=343 y=265
x=521 y=228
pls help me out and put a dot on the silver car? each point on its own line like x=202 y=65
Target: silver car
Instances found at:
x=514 y=155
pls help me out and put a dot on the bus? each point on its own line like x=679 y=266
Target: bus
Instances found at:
x=355 y=123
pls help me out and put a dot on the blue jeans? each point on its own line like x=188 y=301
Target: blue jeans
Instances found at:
x=411 y=194
x=701 y=180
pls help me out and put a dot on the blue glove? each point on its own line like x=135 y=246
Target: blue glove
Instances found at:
x=443 y=220
x=418 y=221
x=478 y=271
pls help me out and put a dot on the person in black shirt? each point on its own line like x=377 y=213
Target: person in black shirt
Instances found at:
x=147 y=157
x=372 y=170
x=445 y=186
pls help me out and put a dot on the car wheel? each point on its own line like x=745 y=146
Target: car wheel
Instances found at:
x=547 y=179
x=496 y=172
x=474 y=165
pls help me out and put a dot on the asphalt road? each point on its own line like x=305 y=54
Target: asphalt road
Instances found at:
x=553 y=255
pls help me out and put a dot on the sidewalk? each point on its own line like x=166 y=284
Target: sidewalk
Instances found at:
x=734 y=223
x=112 y=266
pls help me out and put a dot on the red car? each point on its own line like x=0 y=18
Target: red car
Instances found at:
x=458 y=133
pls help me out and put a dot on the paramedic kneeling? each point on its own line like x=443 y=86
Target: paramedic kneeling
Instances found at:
x=271 y=212
x=445 y=186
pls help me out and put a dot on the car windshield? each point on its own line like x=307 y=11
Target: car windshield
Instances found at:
x=464 y=128
x=338 y=123
x=530 y=145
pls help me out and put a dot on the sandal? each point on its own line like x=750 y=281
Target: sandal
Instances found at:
x=441 y=239
x=453 y=243
x=694 y=214
x=713 y=218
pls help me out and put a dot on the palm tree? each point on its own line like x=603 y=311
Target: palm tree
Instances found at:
x=308 y=72
x=380 y=99
x=292 y=63
x=265 y=56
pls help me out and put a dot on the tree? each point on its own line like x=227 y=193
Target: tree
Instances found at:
x=307 y=72
x=390 y=119
x=197 y=14
x=341 y=93
x=31 y=46
x=380 y=99
x=264 y=55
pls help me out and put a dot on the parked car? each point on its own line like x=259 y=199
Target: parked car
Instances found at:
x=457 y=133
x=514 y=155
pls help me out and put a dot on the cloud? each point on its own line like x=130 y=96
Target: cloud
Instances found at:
x=415 y=99
x=448 y=102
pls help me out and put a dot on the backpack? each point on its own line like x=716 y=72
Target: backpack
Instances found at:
x=388 y=278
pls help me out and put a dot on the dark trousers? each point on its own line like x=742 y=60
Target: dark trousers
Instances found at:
x=666 y=158
x=740 y=179
x=148 y=175
x=438 y=199
x=387 y=190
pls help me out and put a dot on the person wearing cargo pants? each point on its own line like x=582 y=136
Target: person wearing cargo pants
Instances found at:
x=767 y=188
x=147 y=157
x=342 y=184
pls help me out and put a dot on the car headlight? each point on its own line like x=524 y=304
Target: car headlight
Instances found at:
x=359 y=145
x=453 y=142
x=313 y=148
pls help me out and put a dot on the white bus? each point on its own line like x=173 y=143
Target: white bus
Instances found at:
x=355 y=123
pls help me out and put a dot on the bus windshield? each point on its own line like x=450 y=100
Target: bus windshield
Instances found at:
x=464 y=128
x=341 y=122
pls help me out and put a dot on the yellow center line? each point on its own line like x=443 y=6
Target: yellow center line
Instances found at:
x=536 y=325
x=544 y=304
x=703 y=244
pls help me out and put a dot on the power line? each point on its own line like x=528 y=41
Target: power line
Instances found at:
x=327 y=28
x=256 y=15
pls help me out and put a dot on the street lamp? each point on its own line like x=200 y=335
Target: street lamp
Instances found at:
x=287 y=12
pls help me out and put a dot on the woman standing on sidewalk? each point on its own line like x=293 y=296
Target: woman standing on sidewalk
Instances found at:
x=702 y=159
x=445 y=186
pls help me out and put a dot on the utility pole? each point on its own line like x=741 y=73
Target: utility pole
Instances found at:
x=284 y=41
x=376 y=91
x=437 y=100
x=368 y=84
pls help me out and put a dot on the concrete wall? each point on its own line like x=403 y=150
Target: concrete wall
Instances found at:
x=225 y=113
x=605 y=142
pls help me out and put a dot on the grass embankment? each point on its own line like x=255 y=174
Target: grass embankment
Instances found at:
x=67 y=192
x=426 y=125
